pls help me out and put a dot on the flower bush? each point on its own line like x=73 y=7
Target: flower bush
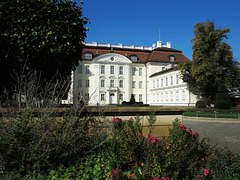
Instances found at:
x=127 y=154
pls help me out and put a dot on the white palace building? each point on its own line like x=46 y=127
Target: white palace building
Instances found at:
x=111 y=73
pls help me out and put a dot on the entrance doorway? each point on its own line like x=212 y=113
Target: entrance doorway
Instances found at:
x=112 y=98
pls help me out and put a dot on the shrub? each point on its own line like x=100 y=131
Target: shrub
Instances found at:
x=33 y=144
x=222 y=98
x=201 y=104
x=132 y=99
x=32 y=140
x=129 y=155
x=221 y=104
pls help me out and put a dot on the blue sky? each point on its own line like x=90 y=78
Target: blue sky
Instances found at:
x=137 y=22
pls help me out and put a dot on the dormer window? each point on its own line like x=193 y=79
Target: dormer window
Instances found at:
x=88 y=55
x=133 y=58
x=171 y=58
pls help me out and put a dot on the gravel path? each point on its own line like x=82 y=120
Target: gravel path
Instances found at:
x=222 y=133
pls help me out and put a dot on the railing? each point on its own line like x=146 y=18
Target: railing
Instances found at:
x=213 y=115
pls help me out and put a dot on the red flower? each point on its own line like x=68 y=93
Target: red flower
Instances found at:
x=117 y=119
x=206 y=171
x=196 y=133
x=189 y=131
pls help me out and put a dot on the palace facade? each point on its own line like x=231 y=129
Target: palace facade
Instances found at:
x=111 y=73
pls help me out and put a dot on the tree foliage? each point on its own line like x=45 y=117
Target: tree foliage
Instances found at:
x=212 y=62
x=42 y=35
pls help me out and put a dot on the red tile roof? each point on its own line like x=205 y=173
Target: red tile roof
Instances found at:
x=144 y=56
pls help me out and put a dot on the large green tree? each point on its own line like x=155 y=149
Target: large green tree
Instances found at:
x=212 y=62
x=46 y=36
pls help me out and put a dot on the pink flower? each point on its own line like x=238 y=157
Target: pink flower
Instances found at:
x=157 y=139
x=200 y=177
x=114 y=171
x=111 y=175
x=189 y=131
x=167 y=178
x=117 y=119
x=206 y=171
x=183 y=127
x=149 y=136
x=153 y=141
x=196 y=133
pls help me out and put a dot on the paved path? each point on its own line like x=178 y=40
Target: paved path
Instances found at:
x=222 y=133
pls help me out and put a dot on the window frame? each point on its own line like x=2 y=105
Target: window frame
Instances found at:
x=111 y=69
x=134 y=58
x=102 y=83
x=87 y=69
x=80 y=69
x=112 y=83
x=87 y=82
x=120 y=70
x=102 y=69
x=121 y=83
x=88 y=55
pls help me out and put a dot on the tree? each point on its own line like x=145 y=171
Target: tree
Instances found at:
x=212 y=62
x=46 y=36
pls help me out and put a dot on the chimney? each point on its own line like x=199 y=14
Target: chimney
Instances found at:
x=159 y=44
x=169 y=44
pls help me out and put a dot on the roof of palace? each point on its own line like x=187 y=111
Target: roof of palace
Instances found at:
x=156 y=53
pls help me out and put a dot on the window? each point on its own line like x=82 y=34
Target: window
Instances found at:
x=87 y=96
x=140 y=84
x=134 y=84
x=111 y=69
x=162 y=82
x=166 y=81
x=102 y=83
x=102 y=69
x=88 y=55
x=140 y=71
x=158 y=83
x=87 y=70
x=79 y=83
x=153 y=84
x=133 y=58
x=171 y=98
x=111 y=83
x=171 y=58
x=183 y=95
x=120 y=83
x=177 y=95
x=120 y=69
x=134 y=71
x=87 y=83
x=102 y=97
x=140 y=97
x=121 y=97
x=171 y=80
x=80 y=69
x=177 y=79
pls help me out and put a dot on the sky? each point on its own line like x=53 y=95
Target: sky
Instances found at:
x=137 y=22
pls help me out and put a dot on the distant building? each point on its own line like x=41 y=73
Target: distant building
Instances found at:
x=110 y=73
